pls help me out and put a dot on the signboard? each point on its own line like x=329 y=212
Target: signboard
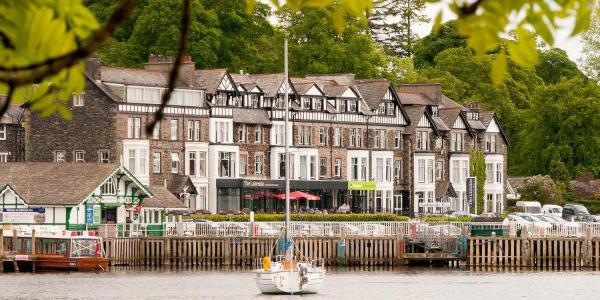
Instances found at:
x=354 y=185
x=472 y=192
x=261 y=184
x=97 y=214
x=434 y=204
x=89 y=214
x=24 y=215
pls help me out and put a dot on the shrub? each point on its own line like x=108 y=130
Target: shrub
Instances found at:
x=304 y=217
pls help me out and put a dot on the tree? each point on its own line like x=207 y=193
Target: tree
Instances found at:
x=554 y=65
x=328 y=51
x=542 y=189
x=591 y=50
x=59 y=35
x=392 y=24
x=477 y=169
x=427 y=48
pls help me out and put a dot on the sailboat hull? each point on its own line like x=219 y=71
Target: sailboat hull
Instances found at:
x=289 y=281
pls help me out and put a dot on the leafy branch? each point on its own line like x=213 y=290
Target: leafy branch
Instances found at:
x=29 y=74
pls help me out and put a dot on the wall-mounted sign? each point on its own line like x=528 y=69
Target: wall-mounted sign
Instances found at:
x=24 y=215
x=89 y=214
x=354 y=185
x=97 y=214
x=434 y=204
x=472 y=192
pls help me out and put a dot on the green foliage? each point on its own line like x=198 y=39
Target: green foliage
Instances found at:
x=304 y=217
x=554 y=66
x=591 y=49
x=542 y=189
x=477 y=169
x=53 y=28
x=562 y=125
x=430 y=46
x=328 y=51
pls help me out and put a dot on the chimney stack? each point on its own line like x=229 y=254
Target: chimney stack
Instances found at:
x=163 y=63
x=93 y=65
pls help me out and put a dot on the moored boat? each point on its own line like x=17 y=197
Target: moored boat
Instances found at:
x=62 y=251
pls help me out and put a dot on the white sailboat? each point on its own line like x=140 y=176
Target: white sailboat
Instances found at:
x=288 y=273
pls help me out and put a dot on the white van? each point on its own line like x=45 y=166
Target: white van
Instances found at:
x=551 y=209
x=530 y=207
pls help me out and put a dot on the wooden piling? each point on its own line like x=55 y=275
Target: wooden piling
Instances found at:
x=33 y=257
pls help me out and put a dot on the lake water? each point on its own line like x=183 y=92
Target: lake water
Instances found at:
x=341 y=283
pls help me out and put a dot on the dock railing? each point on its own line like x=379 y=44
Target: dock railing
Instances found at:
x=344 y=229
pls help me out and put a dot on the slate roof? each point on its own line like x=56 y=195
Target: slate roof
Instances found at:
x=449 y=103
x=303 y=87
x=137 y=77
x=250 y=116
x=439 y=123
x=162 y=198
x=414 y=99
x=373 y=91
x=449 y=116
x=476 y=124
x=12 y=115
x=209 y=79
x=414 y=114
x=444 y=188
x=54 y=183
x=336 y=90
x=181 y=183
x=269 y=83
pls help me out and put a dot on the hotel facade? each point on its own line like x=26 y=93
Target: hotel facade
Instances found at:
x=220 y=146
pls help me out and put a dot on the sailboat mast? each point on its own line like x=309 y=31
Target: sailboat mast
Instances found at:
x=287 y=146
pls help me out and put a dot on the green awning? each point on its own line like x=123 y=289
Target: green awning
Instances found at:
x=111 y=205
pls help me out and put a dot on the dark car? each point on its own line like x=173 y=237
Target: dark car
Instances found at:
x=576 y=212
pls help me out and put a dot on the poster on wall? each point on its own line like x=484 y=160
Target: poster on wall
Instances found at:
x=29 y=215
x=472 y=192
x=89 y=214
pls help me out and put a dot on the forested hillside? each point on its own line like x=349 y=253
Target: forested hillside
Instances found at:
x=550 y=112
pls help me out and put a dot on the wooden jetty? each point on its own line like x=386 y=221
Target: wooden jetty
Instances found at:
x=535 y=252
x=238 y=251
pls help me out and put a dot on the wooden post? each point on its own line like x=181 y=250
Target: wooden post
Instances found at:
x=587 y=248
x=33 y=258
x=15 y=243
x=1 y=250
x=525 y=249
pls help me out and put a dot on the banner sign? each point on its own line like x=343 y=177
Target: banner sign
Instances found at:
x=23 y=215
x=89 y=214
x=97 y=214
x=472 y=192
x=354 y=185
x=434 y=204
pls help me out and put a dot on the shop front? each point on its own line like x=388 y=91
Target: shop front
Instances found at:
x=267 y=196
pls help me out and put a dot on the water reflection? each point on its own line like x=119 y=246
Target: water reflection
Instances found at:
x=356 y=282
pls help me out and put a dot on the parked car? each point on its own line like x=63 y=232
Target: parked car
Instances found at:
x=576 y=212
x=206 y=227
x=551 y=209
x=305 y=229
x=232 y=229
x=529 y=207
x=349 y=229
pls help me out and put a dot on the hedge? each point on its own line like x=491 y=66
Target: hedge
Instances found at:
x=304 y=217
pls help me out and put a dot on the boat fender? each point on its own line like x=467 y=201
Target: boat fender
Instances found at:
x=266 y=263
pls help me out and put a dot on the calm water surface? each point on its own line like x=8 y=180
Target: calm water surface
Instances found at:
x=406 y=283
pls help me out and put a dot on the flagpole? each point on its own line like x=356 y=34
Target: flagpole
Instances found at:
x=287 y=146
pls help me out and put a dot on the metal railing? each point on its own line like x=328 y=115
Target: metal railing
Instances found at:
x=347 y=229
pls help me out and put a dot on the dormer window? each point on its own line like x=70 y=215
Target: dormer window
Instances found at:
x=306 y=103
x=352 y=106
x=318 y=104
x=473 y=115
x=342 y=105
x=391 y=109
x=381 y=109
x=434 y=110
